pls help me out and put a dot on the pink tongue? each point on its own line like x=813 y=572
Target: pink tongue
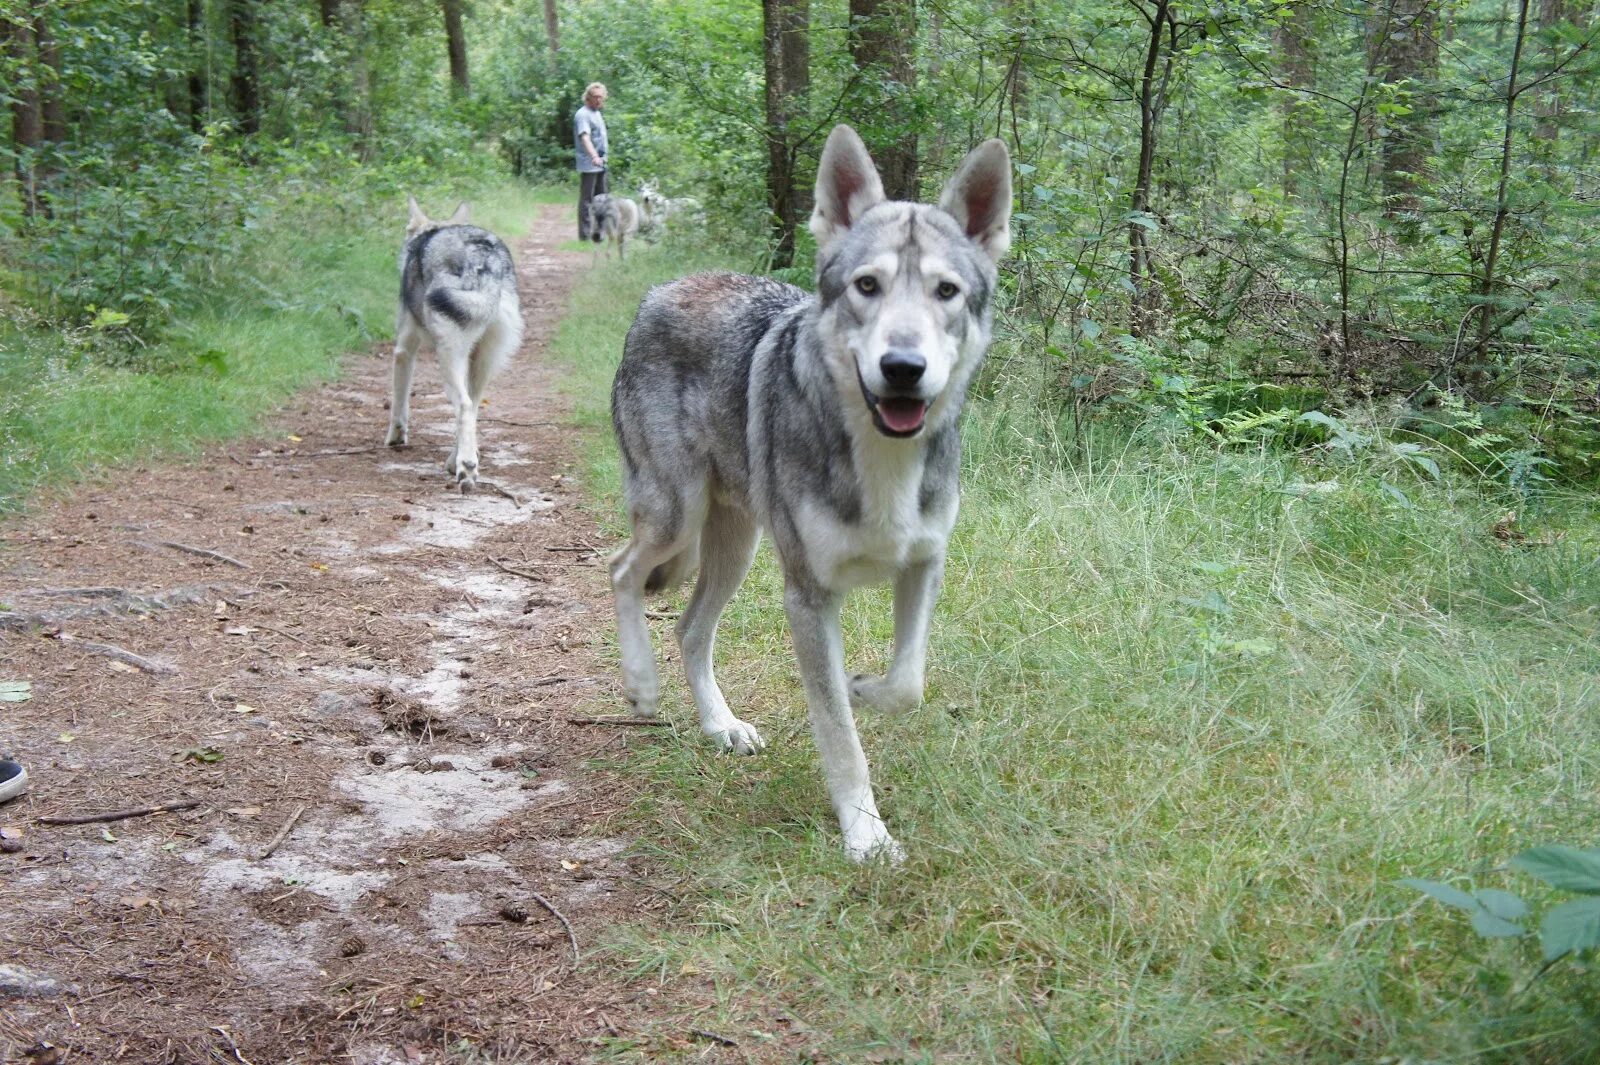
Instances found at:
x=902 y=415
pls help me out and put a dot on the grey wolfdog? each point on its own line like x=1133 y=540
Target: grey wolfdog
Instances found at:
x=613 y=218
x=458 y=294
x=831 y=421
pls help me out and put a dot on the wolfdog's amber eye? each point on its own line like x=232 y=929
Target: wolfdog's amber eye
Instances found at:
x=867 y=286
x=947 y=290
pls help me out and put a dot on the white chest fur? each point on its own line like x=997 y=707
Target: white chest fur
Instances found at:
x=891 y=531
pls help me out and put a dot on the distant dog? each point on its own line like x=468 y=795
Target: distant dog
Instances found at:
x=831 y=421
x=655 y=209
x=614 y=219
x=458 y=294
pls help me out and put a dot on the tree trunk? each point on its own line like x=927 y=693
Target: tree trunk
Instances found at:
x=457 y=43
x=1486 y=293
x=197 y=70
x=27 y=122
x=883 y=41
x=330 y=13
x=358 y=108
x=1297 y=69
x=245 y=85
x=787 y=59
x=552 y=31
x=52 y=112
x=1407 y=51
x=1152 y=101
x=1547 y=130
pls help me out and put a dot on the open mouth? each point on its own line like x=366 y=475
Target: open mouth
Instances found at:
x=894 y=415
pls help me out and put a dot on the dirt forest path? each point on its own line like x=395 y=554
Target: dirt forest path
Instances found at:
x=381 y=665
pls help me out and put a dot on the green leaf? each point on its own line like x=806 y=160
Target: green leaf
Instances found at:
x=1502 y=904
x=1212 y=602
x=1562 y=867
x=1395 y=494
x=1446 y=894
x=16 y=691
x=1489 y=926
x=1571 y=926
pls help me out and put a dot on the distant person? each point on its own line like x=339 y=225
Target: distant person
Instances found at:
x=589 y=133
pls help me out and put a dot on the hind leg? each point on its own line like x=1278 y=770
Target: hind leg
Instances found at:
x=656 y=539
x=495 y=348
x=408 y=338
x=455 y=362
x=728 y=546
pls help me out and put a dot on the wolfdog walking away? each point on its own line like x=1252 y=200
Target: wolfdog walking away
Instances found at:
x=458 y=294
x=614 y=218
x=830 y=421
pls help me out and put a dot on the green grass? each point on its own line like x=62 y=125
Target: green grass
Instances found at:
x=72 y=403
x=1187 y=723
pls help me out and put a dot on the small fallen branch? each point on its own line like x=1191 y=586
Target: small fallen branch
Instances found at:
x=519 y=425
x=342 y=451
x=107 y=601
x=618 y=720
x=497 y=490
x=714 y=1037
x=571 y=935
x=579 y=549
x=119 y=654
x=122 y=815
x=283 y=833
x=539 y=578
x=280 y=632
x=190 y=549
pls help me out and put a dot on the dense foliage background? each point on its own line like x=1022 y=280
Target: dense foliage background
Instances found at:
x=1229 y=213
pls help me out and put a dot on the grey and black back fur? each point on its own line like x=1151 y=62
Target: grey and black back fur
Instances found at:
x=615 y=219
x=742 y=403
x=458 y=294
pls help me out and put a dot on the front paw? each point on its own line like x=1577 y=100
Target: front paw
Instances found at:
x=738 y=738
x=398 y=436
x=875 y=846
x=883 y=694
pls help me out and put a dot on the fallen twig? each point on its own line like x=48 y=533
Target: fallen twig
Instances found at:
x=571 y=935
x=342 y=451
x=189 y=549
x=577 y=548
x=714 y=1037
x=122 y=815
x=116 y=601
x=519 y=572
x=520 y=425
x=233 y=1047
x=618 y=720
x=280 y=632
x=283 y=833
x=497 y=490
x=80 y=593
x=120 y=654
x=662 y=615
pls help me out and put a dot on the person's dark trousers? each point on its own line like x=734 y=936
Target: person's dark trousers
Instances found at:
x=589 y=186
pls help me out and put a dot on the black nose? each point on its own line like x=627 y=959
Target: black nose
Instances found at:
x=902 y=369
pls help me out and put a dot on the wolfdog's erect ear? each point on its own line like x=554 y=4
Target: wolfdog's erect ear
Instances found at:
x=461 y=209
x=847 y=184
x=418 y=220
x=979 y=197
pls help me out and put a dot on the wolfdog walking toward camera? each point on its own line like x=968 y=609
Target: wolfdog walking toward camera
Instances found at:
x=615 y=219
x=458 y=294
x=830 y=421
